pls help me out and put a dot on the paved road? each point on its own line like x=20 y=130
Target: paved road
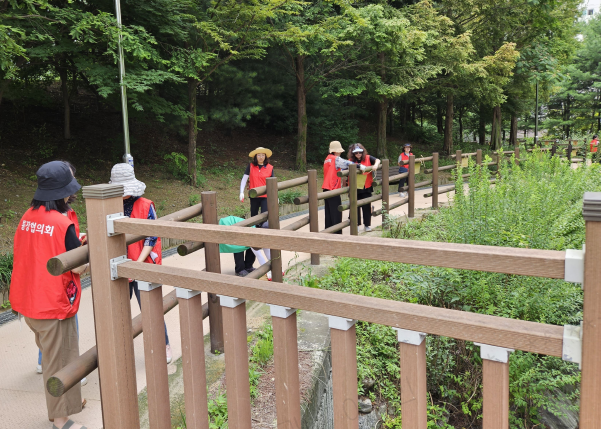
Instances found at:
x=22 y=403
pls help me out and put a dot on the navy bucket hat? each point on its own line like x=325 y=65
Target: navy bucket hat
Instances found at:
x=55 y=182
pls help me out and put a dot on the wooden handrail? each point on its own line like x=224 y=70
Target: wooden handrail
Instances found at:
x=79 y=368
x=262 y=190
x=493 y=330
x=322 y=195
x=392 y=206
x=335 y=228
x=422 y=159
x=344 y=173
x=527 y=262
x=361 y=202
x=77 y=257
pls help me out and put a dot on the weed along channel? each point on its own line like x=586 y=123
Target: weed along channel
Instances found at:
x=465 y=314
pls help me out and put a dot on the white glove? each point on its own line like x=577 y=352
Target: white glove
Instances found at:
x=241 y=197
x=362 y=167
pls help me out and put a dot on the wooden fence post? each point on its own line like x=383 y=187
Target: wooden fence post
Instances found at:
x=285 y=357
x=385 y=192
x=435 y=180
x=590 y=389
x=411 y=208
x=344 y=372
x=157 y=383
x=458 y=158
x=273 y=210
x=352 y=197
x=479 y=157
x=313 y=210
x=116 y=366
x=414 y=390
x=495 y=382
x=569 y=151
x=213 y=265
x=237 y=383
x=517 y=155
x=193 y=358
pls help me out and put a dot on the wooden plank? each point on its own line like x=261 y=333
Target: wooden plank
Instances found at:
x=385 y=192
x=337 y=227
x=393 y=206
x=590 y=411
x=509 y=260
x=112 y=312
x=411 y=184
x=435 y=180
x=193 y=362
x=313 y=210
x=287 y=385
x=344 y=378
x=481 y=328
x=479 y=157
x=298 y=224
x=360 y=203
x=77 y=257
x=321 y=195
x=157 y=384
x=352 y=198
x=213 y=265
x=274 y=224
x=287 y=184
x=413 y=385
x=495 y=394
x=236 y=367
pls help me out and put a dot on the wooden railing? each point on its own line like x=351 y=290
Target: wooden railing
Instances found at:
x=497 y=336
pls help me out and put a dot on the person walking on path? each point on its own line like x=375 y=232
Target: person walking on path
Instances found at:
x=331 y=166
x=49 y=303
x=594 y=144
x=136 y=207
x=72 y=216
x=358 y=154
x=403 y=157
x=257 y=171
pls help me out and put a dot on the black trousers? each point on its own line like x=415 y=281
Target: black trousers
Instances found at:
x=244 y=260
x=403 y=181
x=361 y=194
x=249 y=258
x=333 y=216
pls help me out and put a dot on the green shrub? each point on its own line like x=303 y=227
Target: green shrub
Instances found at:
x=535 y=205
x=6 y=269
x=177 y=165
x=193 y=199
x=288 y=196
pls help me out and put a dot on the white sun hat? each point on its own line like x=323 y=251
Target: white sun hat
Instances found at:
x=123 y=174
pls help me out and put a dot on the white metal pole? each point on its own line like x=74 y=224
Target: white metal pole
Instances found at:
x=127 y=158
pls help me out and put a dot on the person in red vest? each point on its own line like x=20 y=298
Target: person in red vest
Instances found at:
x=49 y=303
x=594 y=144
x=358 y=154
x=257 y=172
x=136 y=207
x=331 y=166
x=404 y=156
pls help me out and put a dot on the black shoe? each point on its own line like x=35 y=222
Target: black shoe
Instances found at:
x=242 y=273
x=250 y=270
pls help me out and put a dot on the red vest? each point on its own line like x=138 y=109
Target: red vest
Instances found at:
x=330 y=180
x=405 y=157
x=594 y=145
x=140 y=211
x=73 y=218
x=368 y=181
x=258 y=176
x=34 y=292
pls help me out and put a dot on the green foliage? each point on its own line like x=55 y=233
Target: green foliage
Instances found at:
x=288 y=196
x=193 y=199
x=6 y=269
x=177 y=165
x=536 y=205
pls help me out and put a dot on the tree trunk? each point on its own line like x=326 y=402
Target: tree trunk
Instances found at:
x=439 y=118
x=481 y=127
x=66 y=107
x=301 y=98
x=461 y=125
x=513 y=131
x=495 y=138
x=382 y=109
x=391 y=114
x=192 y=130
x=448 y=129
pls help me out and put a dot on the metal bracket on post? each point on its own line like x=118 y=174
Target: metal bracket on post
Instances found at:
x=574 y=266
x=341 y=323
x=572 y=344
x=410 y=337
x=110 y=219
x=114 y=263
x=494 y=353
x=181 y=292
x=230 y=302
x=281 y=312
x=147 y=286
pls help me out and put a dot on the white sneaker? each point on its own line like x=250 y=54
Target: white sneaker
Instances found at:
x=367 y=229
x=168 y=350
x=84 y=381
x=405 y=195
x=38 y=369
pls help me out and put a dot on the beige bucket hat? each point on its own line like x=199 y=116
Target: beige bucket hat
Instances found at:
x=335 y=146
x=123 y=174
x=266 y=151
